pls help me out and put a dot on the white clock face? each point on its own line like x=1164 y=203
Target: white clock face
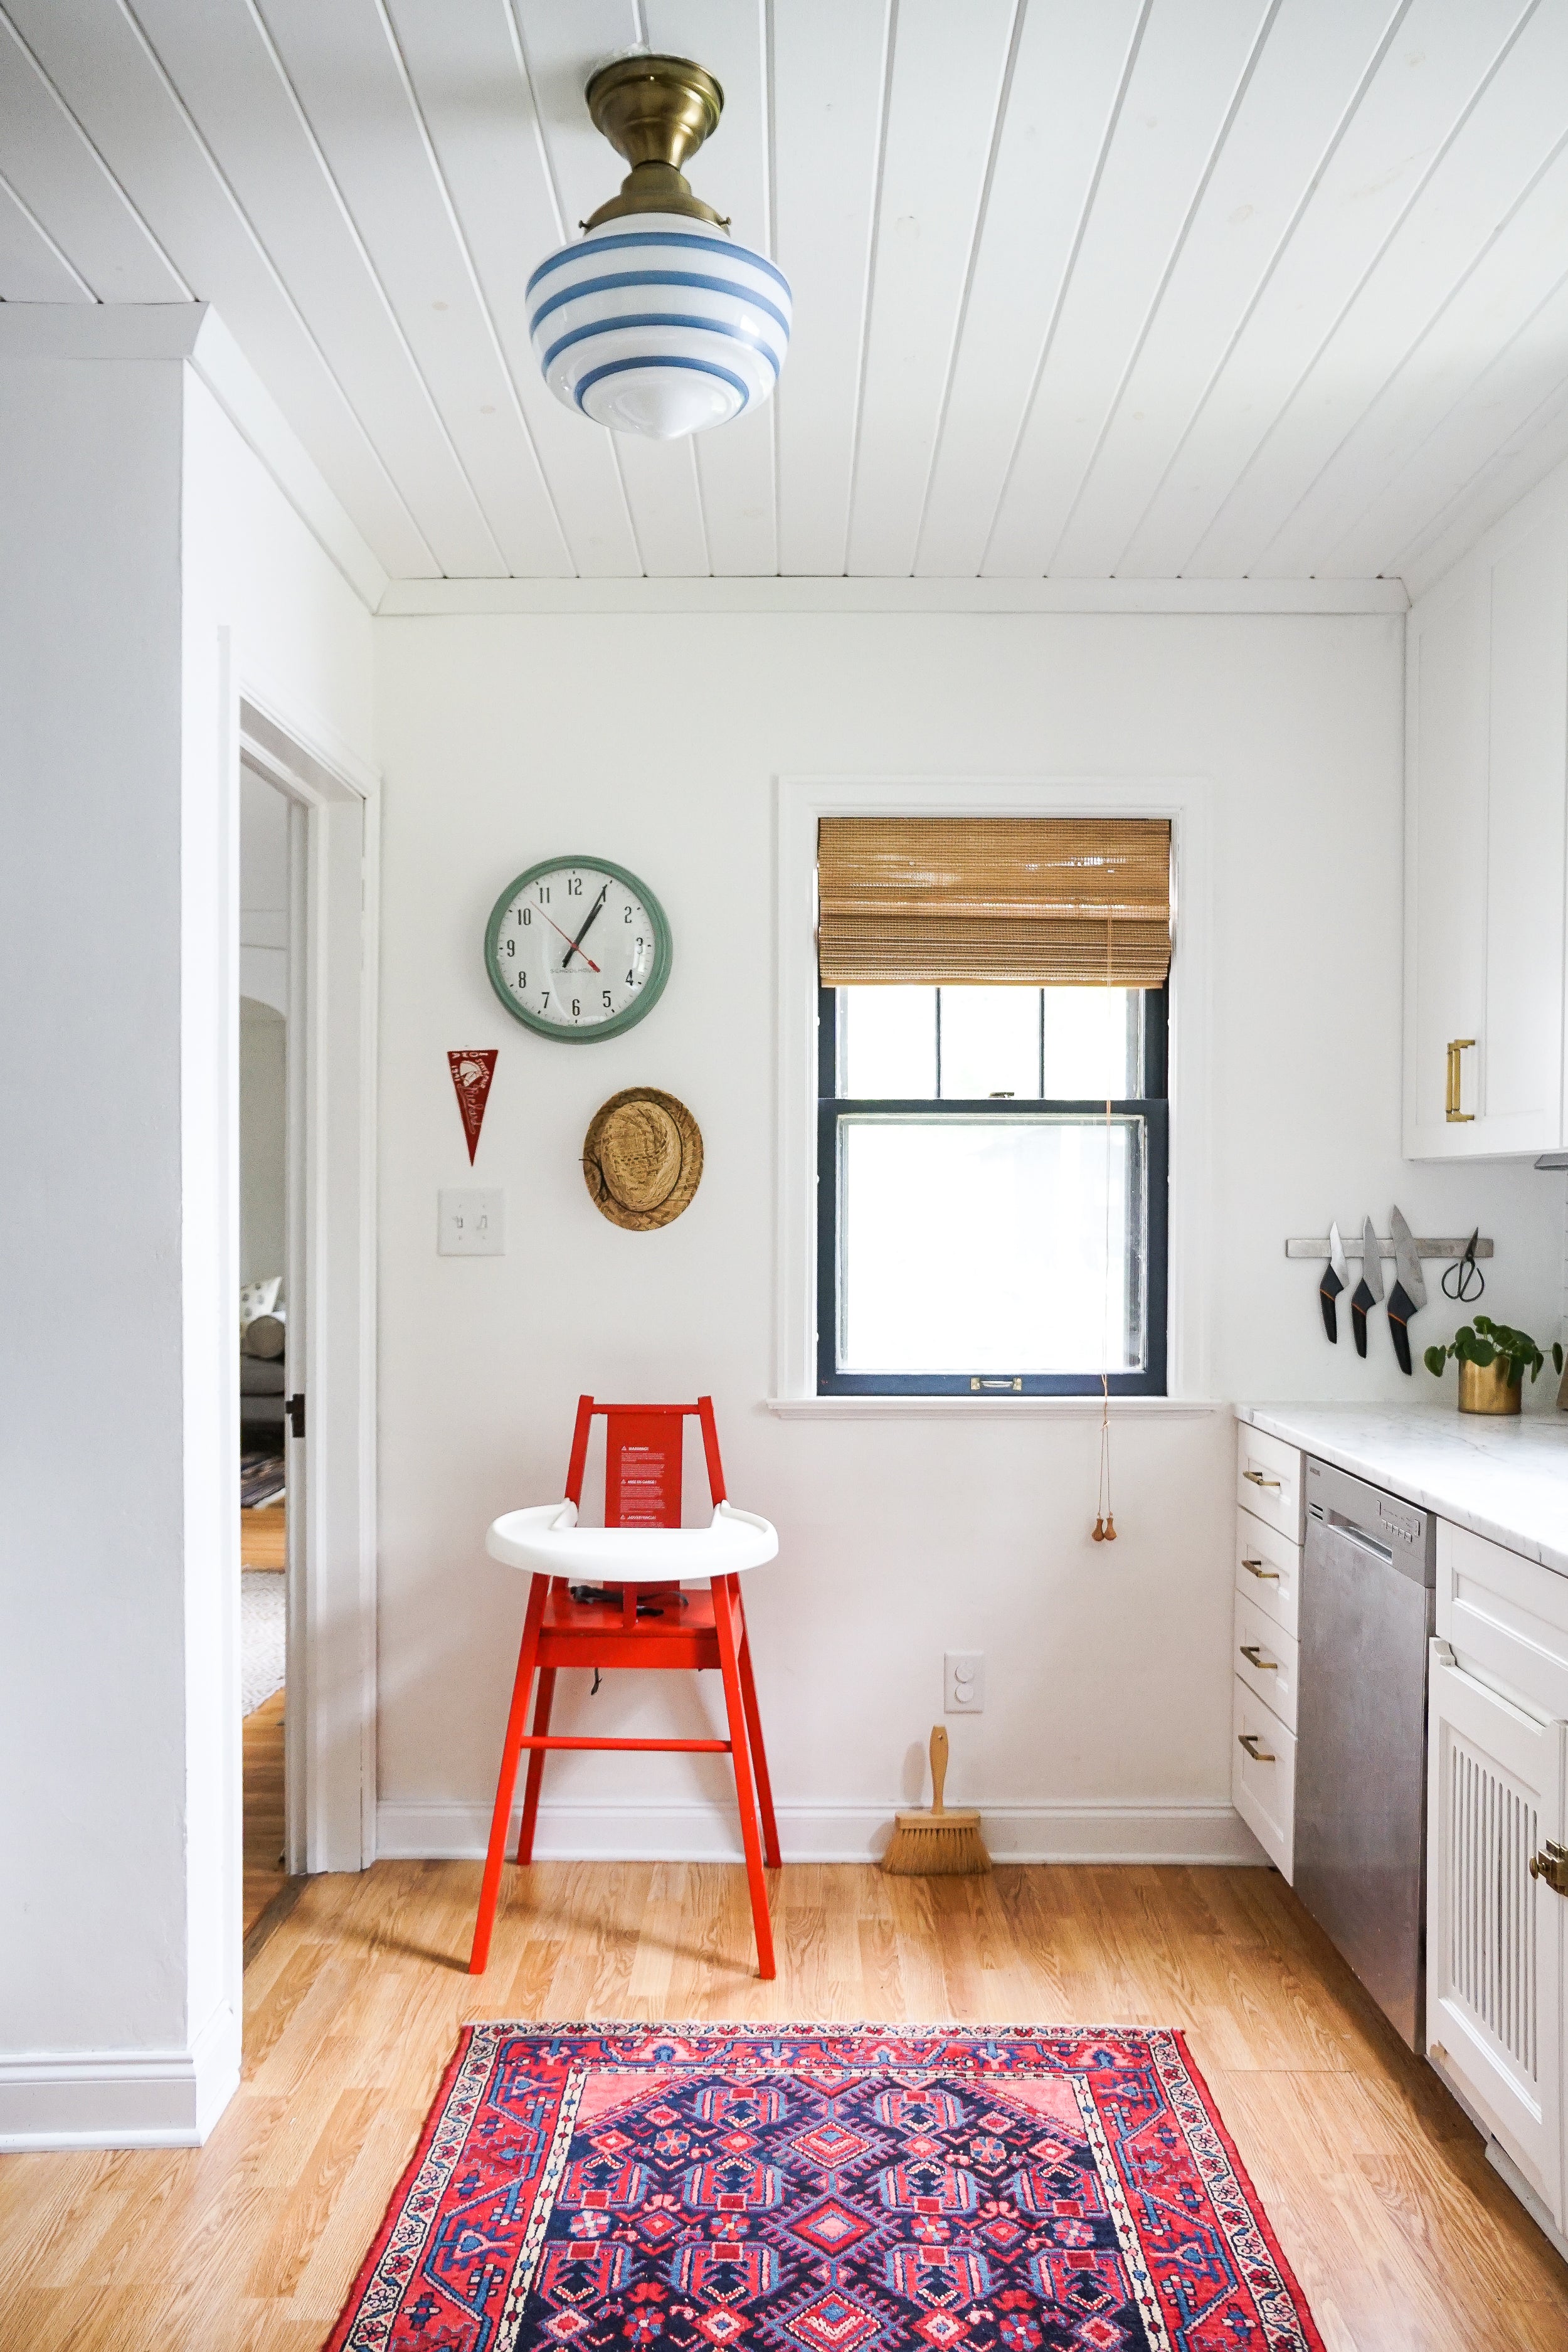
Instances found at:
x=577 y=949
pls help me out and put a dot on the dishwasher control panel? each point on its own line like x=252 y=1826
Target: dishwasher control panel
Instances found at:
x=1401 y=1529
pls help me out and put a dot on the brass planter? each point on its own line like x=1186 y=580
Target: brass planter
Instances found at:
x=1486 y=1388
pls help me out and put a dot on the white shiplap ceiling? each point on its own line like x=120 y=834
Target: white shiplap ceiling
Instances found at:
x=1084 y=288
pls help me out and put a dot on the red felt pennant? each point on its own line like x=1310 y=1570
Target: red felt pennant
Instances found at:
x=472 y=1069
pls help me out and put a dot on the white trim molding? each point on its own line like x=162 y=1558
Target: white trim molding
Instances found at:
x=968 y=1408
x=405 y=599
x=801 y=802
x=194 y=332
x=330 y=1778
x=120 y=2098
x=1135 y=1831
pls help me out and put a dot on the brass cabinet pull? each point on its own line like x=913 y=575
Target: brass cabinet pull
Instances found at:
x=1264 y=1575
x=1258 y=1478
x=1550 y=1867
x=1250 y=1651
x=1451 y=1111
x=1250 y=1739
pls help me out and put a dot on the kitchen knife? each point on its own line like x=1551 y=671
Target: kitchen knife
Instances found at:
x=1335 y=1277
x=1408 y=1294
x=1369 y=1289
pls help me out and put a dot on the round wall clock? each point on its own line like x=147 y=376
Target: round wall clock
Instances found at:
x=577 y=949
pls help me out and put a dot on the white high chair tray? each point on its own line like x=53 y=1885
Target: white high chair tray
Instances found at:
x=547 y=1539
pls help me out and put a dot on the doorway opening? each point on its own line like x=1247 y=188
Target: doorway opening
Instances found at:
x=303 y=1203
x=268 y=1299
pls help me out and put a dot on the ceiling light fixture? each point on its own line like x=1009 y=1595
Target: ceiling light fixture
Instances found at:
x=656 y=321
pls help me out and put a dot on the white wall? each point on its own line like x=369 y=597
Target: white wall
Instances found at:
x=263 y=1139
x=656 y=741
x=146 y=559
x=263 y=1009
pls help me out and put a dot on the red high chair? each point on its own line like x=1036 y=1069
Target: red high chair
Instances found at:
x=643 y=1447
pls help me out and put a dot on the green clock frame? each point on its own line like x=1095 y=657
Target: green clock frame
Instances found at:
x=647 y=996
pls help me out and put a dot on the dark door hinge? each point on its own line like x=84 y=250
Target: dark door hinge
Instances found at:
x=294 y=1407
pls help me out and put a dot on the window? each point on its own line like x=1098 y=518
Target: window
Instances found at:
x=991 y=1117
x=982 y=1225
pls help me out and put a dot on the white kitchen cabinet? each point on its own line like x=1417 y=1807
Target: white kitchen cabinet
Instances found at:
x=1486 y=948
x=1494 y=1931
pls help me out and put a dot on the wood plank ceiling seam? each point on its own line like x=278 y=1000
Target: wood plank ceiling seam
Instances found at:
x=1119 y=565
x=737 y=485
x=114 y=85
x=1464 y=301
x=115 y=253
x=1216 y=288
x=289 y=70
x=1189 y=62
x=503 y=361
x=563 y=41
x=508 y=212
x=32 y=266
x=955 y=342
x=1488 y=304
x=1541 y=438
x=1365 y=189
x=1050 y=162
x=941 y=125
x=1179 y=244
x=828 y=250
x=1214 y=531
x=1529 y=390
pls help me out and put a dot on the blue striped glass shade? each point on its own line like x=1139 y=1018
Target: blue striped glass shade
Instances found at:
x=658 y=324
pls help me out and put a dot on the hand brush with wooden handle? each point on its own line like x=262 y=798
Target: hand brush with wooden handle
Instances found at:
x=939 y=1843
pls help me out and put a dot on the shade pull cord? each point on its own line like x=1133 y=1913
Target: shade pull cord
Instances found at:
x=1105 y=1518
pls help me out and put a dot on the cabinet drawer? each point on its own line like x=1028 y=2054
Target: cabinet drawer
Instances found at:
x=1268 y=1570
x=1505 y=1617
x=1268 y=1480
x=1266 y=1660
x=1263 y=1776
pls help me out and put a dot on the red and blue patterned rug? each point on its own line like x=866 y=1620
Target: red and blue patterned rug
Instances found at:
x=823 y=2189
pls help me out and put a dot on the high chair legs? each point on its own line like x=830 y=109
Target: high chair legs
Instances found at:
x=556 y=1632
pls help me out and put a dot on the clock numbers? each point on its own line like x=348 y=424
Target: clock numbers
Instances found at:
x=594 y=948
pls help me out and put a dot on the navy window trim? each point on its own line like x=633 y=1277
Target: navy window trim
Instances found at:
x=1151 y=1107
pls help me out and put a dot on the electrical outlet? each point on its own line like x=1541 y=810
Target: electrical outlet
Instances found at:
x=964 y=1682
x=471 y=1223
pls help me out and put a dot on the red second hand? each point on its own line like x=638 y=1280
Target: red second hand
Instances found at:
x=570 y=942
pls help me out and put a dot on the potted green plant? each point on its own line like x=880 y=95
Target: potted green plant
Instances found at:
x=1492 y=1360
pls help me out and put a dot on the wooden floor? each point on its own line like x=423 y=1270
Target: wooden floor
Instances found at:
x=262 y=1536
x=265 y=1875
x=1402 y=2237
x=262 y=1541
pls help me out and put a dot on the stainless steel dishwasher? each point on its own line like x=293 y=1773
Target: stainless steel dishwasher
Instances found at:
x=1368 y=1575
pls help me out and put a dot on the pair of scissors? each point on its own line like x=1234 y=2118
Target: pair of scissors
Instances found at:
x=1457 y=1278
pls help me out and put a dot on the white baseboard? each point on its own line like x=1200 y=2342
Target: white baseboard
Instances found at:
x=120 y=2098
x=606 y=1831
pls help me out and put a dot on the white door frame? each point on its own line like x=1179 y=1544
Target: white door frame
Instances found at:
x=330 y=1717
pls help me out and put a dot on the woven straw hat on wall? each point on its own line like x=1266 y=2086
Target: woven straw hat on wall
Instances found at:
x=642 y=1158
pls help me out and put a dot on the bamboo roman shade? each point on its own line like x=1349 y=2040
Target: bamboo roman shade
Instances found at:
x=1043 y=901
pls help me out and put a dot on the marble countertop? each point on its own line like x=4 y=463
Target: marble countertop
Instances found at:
x=1503 y=1476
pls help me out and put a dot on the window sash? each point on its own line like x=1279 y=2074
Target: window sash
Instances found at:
x=1149 y=1108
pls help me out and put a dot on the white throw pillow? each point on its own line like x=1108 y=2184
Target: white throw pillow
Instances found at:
x=259 y=1298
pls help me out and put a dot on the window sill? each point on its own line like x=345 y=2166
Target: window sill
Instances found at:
x=1024 y=1408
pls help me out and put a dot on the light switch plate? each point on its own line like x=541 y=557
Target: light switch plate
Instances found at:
x=963 y=1681
x=471 y=1223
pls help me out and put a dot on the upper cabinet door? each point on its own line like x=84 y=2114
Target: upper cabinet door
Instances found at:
x=1486 y=836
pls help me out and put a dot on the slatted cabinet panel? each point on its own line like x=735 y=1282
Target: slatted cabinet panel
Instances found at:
x=1494 y=1934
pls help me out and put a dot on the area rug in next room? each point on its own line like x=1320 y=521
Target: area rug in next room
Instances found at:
x=823 y=2189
